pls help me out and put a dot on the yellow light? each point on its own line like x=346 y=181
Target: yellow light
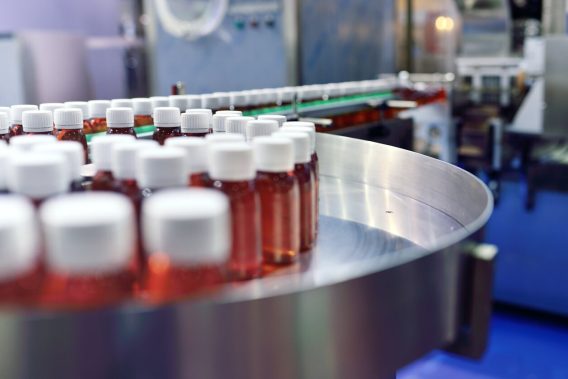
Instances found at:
x=444 y=24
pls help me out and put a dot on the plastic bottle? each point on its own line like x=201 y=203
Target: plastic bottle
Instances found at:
x=195 y=124
x=27 y=143
x=38 y=176
x=168 y=124
x=159 y=169
x=306 y=182
x=21 y=271
x=142 y=112
x=90 y=250
x=37 y=123
x=196 y=159
x=205 y=111
x=69 y=127
x=97 y=115
x=280 y=119
x=101 y=155
x=4 y=127
x=279 y=199
x=219 y=118
x=237 y=124
x=122 y=103
x=260 y=128
x=187 y=237
x=159 y=101
x=231 y=169
x=16 y=128
x=120 y=121
x=73 y=154
x=84 y=107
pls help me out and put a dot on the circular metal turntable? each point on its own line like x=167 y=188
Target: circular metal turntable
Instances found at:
x=381 y=289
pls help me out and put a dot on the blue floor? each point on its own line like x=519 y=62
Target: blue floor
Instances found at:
x=520 y=348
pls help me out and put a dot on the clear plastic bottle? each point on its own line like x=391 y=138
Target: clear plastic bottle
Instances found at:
x=101 y=155
x=195 y=124
x=142 y=112
x=69 y=127
x=159 y=169
x=187 y=238
x=37 y=123
x=90 y=250
x=84 y=107
x=219 y=118
x=232 y=171
x=17 y=128
x=120 y=121
x=97 y=115
x=168 y=124
x=306 y=182
x=280 y=119
x=196 y=159
x=4 y=127
x=314 y=155
x=73 y=154
x=21 y=271
x=279 y=199
x=260 y=128
x=237 y=124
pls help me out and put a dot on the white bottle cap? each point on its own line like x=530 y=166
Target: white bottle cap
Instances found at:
x=97 y=108
x=121 y=103
x=208 y=112
x=300 y=123
x=195 y=152
x=88 y=233
x=26 y=143
x=82 y=105
x=125 y=157
x=232 y=113
x=5 y=110
x=68 y=118
x=209 y=101
x=4 y=123
x=231 y=162
x=219 y=118
x=273 y=154
x=71 y=151
x=224 y=137
x=286 y=95
x=269 y=96
x=193 y=101
x=37 y=121
x=195 y=123
x=190 y=226
x=17 y=110
x=258 y=128
x=253 y=97
x=301 y=145
x=120 y=117
x=50 y=106
x=167 y=117
x=142 y=106
x=303 y=129
x=239 y=99
x=280 y=119
x=223 y=100
x=101 y=149
x=160 y=101
x=178 y=101
x=237 y=124
x=161 y=168
x=19 y=237
x=37 y=175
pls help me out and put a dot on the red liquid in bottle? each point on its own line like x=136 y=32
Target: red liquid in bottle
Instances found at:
x=50 y=133
x=22 y=290
x=128 y=131
x=129 y=188
x=76 y=135
x=279 y=203
x=306 y=182
x=201 y=134
x=162 y=134
x=143 y=120
x=5 y=137
x=103 y=181
x=201 y=180
x=98 y=124
x=87 y=129
x=16 y=130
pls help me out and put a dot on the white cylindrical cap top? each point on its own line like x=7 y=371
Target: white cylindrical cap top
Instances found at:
x=237 y=124
x=231 y=162
x=178 y=101
x=231 y=113
x=38 y=175
x=125 y=157
x=160 y=101
x=50 y=106
x=286 y=95
x=223 y=100
x=303 y=129
x=219 y=119
x=101 y=149
x=273 y=154
x=193 y=101
x=37 y=121
x=26 y=143
x=142 y=106
x=239 y=99
x=259 y=128
x=306 y=124
x=224 y=137
x=167 y=117
x=120 y=117
x=121 y=103
x=68 y=118
x=280 y=119
x=195 y=152
x=206 y=111
x=71 y=151
x=97 y=108
x=19 y=237
x=301 y=145
x=82 y=105
x=210 y=101
x=190 y=226
x=197 y=122
x=17 y=110
x=161 y=168
x=4 y=123
x=88 y=233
